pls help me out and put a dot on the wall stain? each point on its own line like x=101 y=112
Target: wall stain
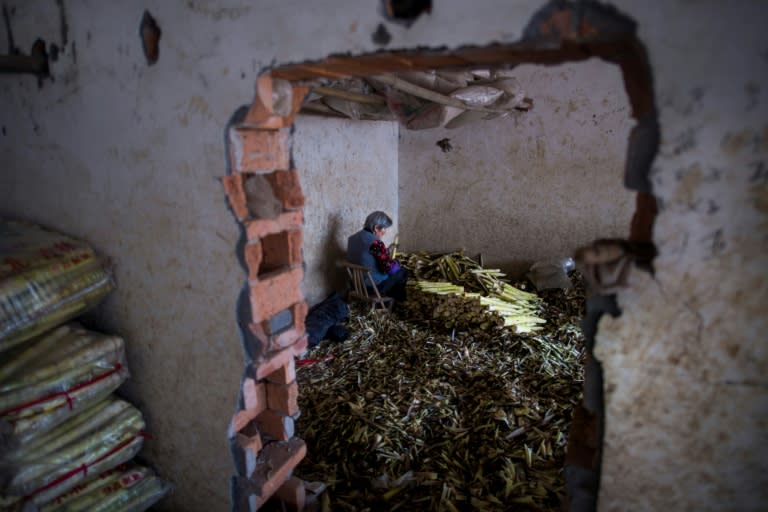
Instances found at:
x=715 y=242
x=759 y=196
x=686 y=141
x=196 y=105
x=572 y=107
x=759 y=173
x=688 y=183
x=753 y=95
x=63 y=25
x=764 y=138
x=733 y=143
x=217 y=13
x=12 y=49
x=137 y=155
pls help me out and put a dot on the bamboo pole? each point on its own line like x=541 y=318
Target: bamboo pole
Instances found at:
x=421 y=92
x=369 y=99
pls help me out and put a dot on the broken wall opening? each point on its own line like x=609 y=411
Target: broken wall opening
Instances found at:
x=556 y=34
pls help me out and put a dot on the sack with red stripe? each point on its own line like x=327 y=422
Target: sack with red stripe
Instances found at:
x=128 y=488
x=95 y=440
x=54 y=376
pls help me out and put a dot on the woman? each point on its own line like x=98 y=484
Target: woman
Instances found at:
x=367 y=248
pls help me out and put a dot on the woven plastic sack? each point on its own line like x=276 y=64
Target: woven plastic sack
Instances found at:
x=54 y=376
x=128 y=487
x=97 y=439
x=46 y=278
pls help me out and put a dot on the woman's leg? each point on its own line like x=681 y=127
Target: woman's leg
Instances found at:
x=394 y=285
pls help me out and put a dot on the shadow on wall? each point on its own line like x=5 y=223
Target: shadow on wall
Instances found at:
x=333 y=251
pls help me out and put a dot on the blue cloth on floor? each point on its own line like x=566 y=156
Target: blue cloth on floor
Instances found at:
x=323 y=316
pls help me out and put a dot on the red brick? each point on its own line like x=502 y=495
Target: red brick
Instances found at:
x=242 y=418
x=254 y=395
x=283 y=398
x=261 y=113
x=286 y=374
x=253 y=257
x=299 y=93
x=272 y=424
x=259 y=228
x=250 y=441
x=259 y=151
x=293 y=494
x=284 y=338
x=275 y=464
x=279 y=341
x=275 y=360
x=300 y=347
x=281 y=249
x=254 y=403
x=287 y=188
x=252 y=196
x=300 y=310
x=271 y=295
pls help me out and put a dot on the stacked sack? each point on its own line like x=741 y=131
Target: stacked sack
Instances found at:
x=66 y=441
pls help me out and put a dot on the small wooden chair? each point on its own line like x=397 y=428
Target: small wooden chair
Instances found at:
x=356 y=276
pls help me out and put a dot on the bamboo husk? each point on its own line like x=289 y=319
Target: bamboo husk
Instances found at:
x=443 y=418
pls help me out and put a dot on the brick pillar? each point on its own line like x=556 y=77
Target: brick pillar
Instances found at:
x=266 y=198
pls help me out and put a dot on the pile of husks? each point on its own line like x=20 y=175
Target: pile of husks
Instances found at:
x=413 y=413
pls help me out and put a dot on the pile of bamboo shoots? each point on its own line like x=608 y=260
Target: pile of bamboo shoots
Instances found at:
x=469 y=294
x=46 y=278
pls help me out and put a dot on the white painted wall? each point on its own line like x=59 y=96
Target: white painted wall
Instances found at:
x=348 y=169
x=128 y=157
x=520 y=189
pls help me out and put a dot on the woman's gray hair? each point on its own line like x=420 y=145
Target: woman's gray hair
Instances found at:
x=377 y=219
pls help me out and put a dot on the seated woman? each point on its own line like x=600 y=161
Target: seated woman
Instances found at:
x=367 y=248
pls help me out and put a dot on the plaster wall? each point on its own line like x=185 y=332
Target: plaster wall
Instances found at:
x=526 y=188
x=347 y=169
x=685 y=365
x=127 y=156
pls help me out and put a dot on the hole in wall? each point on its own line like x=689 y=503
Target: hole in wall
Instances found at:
x=558 y=33
x=405 y=11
